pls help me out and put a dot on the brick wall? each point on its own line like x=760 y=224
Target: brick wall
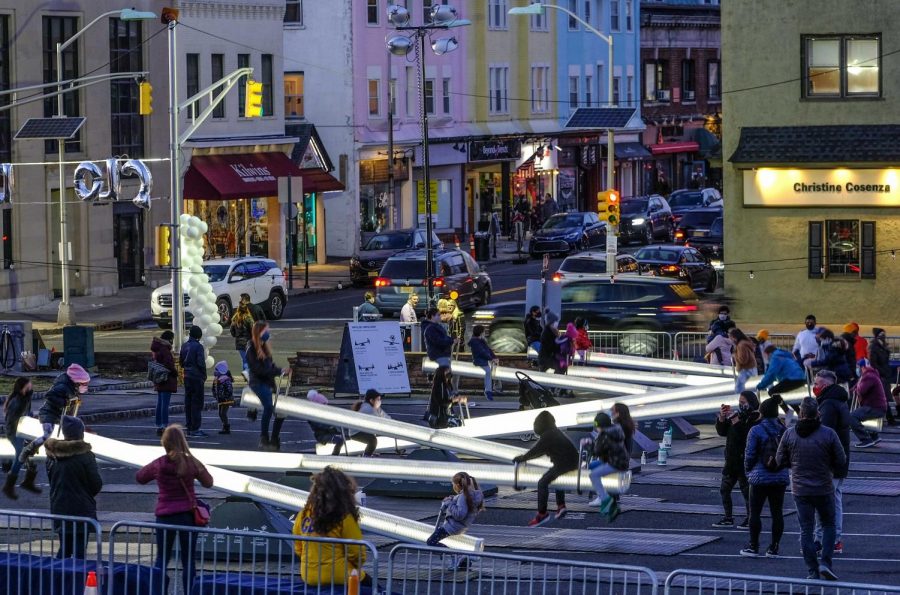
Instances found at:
x=673 y=57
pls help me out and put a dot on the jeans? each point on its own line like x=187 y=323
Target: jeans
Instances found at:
x=18 y=443
x=370 y=440
x=435 y=540
x=73 y=538
x=785 y=386
x=759 y=493
x=838 y=513
x=860 y=414
x=193 y=404
x=728 y=483
x=243 y=354
x=807 y=508
x=488 y=384
x=544 y=488
x=264 y=392
x=740 y=383
x=165 y=542
x=162 y=408
x=597 y=474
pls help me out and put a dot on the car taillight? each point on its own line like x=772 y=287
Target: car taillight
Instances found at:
x=557 y=277
x=679 y=234
x=437 y=282
x=680 y=308
x=671 y=268
x=382 y=282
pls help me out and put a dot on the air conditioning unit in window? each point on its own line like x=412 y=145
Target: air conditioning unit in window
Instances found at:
x=663 y=95
x=689 y=95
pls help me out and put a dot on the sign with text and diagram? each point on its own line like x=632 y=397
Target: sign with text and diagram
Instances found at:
x=372 y=357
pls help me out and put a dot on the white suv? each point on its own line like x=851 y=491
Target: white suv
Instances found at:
x=260 y=278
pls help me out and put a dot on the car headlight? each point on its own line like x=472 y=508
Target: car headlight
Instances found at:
x=638 y=221
x=573 y=236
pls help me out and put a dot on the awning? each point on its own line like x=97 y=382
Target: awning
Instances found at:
x=674 y=147
x=245 y=175
x=629 y=151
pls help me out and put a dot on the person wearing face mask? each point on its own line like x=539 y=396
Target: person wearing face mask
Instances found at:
x=805 y=345
x=17 y=406
x=67 y=387
x=834 y=413
x=734 y=425
x=193 y=361
x=263 y=373
x=879 y=357
x=833 y=357
x=721 y=324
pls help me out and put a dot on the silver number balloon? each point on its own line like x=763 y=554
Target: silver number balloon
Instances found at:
x=7 y=183
x=139 y=168
x=113 y=181
x=86 y=170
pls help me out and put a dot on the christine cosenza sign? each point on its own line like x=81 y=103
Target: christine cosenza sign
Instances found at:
x=378 y=357
x=775 y=187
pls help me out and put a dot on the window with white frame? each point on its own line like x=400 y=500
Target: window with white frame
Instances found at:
x=429 y=96
x=573 y=92
x=372 y=12
x=539 y=22
x=601 y=96
x=573 y=22
x=293 y=12
x=293 y=95
x=587 y=11
x=498 y=78
x=841 y=66
x=540 y=76
x=445 y=94
x=613 y=15
x=588 y=90
x=629 y=90
x=497 y=14
x=374 y=98
x=629 y=20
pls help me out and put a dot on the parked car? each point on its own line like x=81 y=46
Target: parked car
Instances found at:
x=630 y=303
x=712 y=245
x=590 y=265
x=682 y=201
x=568 y=232
x=366 y=264
x=455 y=271
x=646 y=218
x=696 y=223
x=258 y=277
x=681 y=262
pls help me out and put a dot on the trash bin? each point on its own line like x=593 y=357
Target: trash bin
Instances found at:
x=78 y=345
x=482 y=246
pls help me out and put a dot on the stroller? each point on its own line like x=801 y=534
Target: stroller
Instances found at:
x=532 y=394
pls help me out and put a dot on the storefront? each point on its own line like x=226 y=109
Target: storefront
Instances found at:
x=489 y=179
x=378 y=210
x=536 y=177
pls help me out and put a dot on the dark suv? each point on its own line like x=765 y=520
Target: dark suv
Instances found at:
x=366 y=264
x=629 y=303
x=646 y=218
x=455 y=271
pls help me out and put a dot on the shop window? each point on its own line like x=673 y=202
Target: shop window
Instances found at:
x=841 y=249
x=841 y=66
x=293 y=95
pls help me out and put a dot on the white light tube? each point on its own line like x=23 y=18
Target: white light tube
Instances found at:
x=265 y=491
x=666 y=379
x=634 y=362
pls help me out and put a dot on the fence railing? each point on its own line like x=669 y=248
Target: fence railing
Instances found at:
x=701 y=582
x=641 y=343
x=420 y=570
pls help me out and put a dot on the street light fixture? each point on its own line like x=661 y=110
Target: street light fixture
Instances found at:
x=65 y=315
x=443 y=17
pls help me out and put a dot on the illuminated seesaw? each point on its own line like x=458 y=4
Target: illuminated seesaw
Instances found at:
x=238 y=484
x=649 y=364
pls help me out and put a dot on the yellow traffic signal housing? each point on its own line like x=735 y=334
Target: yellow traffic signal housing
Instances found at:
x=602 y=204
x=163 y=245
x=613 y=207
x=253 y=99
x=145 y=98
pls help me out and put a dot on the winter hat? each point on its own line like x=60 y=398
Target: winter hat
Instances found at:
x=195 y=333
x=851 y=327
x=72 y=428
x=762 y=335
x=550 y=318
x=863 y=363
x=77 y=374
x=809 y=409
x=316 y=397
x=752 y=399
x=602 y=420
x=221 y=368
x=769 y=407
x=167 y=336
x=877 y=331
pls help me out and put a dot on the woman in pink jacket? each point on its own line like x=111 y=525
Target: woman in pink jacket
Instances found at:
x=871 y=403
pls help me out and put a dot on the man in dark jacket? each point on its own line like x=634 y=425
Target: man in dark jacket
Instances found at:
x=193 y=362
x=564 y=456
x=880 y=359
x=734 y=425
x=74 y=483
x=533 y=328
x=833 y=358
x=548 y=355
x=834 y=413
x=814 y=454
x=438 y=342
x=255 y=310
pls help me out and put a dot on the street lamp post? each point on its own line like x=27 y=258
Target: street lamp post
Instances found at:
x=443 y=17
x=538 y=9
x=65 y=315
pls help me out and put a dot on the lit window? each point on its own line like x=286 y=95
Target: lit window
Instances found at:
x=842 y=66
x=293 y=95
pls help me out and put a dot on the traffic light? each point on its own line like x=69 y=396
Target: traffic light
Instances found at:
x=253 y=101
x=602 y=205
x=145 y=98
x=612 y=207
x=163 y=245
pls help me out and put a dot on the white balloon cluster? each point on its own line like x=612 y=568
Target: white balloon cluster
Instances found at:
x=196 y=284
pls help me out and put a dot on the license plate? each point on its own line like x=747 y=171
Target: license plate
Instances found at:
x=373 y=273
x=406 y=289
x=700 y=233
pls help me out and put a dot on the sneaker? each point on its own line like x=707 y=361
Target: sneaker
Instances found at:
x=539 y=519
x=199 y=434
x=839 y=547
x=613 y=512
x=606 y=504
x=813 y=575
x=745 y=523
x=827 y=573
x=772 y=552
x=865 y=443
x=725 y=521
x=876 y=440
x=561 y=512
x=595 y=502
x=751 y=551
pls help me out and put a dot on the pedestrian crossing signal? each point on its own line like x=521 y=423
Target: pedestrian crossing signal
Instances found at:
x=253 y=102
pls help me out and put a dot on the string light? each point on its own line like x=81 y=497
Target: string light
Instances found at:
x=751 y=274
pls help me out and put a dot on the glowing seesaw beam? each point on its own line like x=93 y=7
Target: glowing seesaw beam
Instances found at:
x=237 y=484
x=633 y=362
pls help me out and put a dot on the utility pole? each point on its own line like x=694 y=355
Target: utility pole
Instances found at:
x=170 y=18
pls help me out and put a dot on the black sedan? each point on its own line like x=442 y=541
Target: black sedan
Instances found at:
x=681 y=262
x=711 y=245
x=568 y=232
x=366 y=264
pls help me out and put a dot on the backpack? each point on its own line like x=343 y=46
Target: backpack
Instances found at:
x=769 y=450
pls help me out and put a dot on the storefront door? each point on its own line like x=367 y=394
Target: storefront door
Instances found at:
x=305 y=216
x=128 y=244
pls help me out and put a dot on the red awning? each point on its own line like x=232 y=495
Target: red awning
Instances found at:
x=674 y=147
x=245 y=175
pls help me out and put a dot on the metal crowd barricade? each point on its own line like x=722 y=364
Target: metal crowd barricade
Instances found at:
x=641 y=343
x=412 y=336
x=700 y=582
x=689 y=347
x=203 y=560
x=47 y=554
x=420 y=570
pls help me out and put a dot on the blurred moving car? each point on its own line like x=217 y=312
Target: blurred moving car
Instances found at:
x=366 y=264
x=590 y=265
x=682 y=201
x=455 y=272
x=681 y=262
x=568 y=232
x=630 y=303
x=696 y=223
x=646 y=218
x=712 y=245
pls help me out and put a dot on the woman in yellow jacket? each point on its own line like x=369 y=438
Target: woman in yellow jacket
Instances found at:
x=330 y=512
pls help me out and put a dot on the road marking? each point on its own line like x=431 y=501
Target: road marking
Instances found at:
x=510 y=290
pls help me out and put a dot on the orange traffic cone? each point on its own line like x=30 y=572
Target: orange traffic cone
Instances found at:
x=472 y=245
x=90 y=585
x=456 y=240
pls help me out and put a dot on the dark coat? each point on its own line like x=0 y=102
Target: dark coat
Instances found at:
x=880 y=358
x=834 y=413
x=870 y=390
x=262 y=371
x=814 y=454
x=161 y=351
x=834 y=358
x=19 y=406
x=481 y=353
x=533 y=329
x=735 y=443
x=609 y=447
x=241 y=333
x=719 y=327
x=56 y=399
x=438 y=343
x=74 y=478
x=257 y=312
x=551 y=442
x=548 y=357
x=754 y=465
x=193 y=360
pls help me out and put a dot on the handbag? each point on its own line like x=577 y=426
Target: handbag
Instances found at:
x=156 y=372
x=201 y=508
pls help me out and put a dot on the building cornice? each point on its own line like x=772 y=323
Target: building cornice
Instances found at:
x=261 y=10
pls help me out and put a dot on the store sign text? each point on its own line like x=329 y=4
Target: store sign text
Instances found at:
x=250 y=175
x=849 y=187
x=773 y=187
